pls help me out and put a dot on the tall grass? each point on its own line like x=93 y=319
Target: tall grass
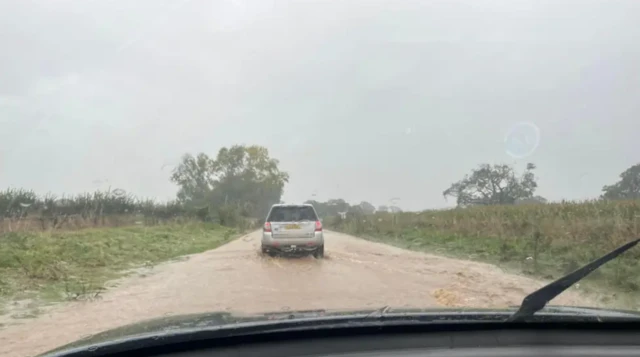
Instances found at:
x=22 y=209
x=545 y=240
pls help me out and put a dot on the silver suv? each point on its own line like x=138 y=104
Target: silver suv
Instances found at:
x=293 y=229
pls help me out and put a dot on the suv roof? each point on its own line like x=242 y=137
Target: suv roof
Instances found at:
x=279 y=212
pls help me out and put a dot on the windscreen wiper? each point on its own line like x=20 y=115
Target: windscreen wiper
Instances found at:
x=538 y=299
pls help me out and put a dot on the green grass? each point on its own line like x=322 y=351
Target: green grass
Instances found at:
x=543 y=241
x=55 y=266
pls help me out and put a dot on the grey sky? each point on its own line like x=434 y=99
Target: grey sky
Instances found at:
x=362 y=100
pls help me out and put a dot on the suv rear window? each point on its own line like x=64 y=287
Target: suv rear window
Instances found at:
x=292 y=214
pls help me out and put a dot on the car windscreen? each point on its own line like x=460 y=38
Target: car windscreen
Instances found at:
x=292 y=214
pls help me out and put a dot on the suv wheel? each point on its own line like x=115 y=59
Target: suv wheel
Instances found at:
x=268 y=252
x=319 y=253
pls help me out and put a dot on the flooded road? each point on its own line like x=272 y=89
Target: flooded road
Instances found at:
x=236 y=277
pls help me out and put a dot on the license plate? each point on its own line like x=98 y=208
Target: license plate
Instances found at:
x=292 y=226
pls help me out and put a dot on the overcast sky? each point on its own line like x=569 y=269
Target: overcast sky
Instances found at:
x=361 y=100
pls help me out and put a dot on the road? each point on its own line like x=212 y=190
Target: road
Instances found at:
x=235 y=277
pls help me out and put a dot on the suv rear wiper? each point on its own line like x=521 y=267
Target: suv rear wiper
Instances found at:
x=538 y=299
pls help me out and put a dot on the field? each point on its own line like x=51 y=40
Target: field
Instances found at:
x=544 y=241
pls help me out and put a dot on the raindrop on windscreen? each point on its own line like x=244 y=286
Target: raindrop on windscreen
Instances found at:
x=286 y=308
x=25 y=205
x=522 y=140
x=92 y=348
x=118 y=192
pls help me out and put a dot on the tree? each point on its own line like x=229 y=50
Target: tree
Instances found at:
x=331 y=207
x=338 y=205
x=627 y=188
x=194 y=177
x=493 y=185
x=248 y=178
x=242 y=179
x=367 y=208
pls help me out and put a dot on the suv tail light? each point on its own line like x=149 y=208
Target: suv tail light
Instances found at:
x=318 y=226
x=267 y=227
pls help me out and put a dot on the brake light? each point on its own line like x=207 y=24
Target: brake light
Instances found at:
x=318 y=226
x=267 y=227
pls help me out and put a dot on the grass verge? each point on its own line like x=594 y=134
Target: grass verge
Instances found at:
x=56 y=266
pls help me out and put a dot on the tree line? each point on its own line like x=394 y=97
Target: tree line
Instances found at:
x=500 y=184
x=242 y=182
x=336 y=207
